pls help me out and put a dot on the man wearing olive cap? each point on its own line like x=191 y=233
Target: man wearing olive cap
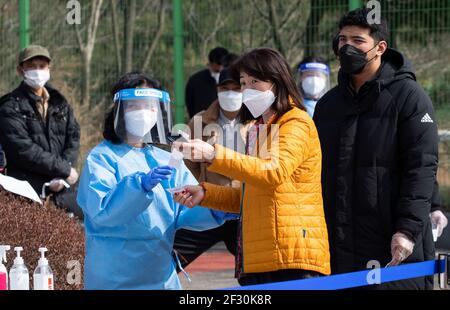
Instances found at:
x=38 y=130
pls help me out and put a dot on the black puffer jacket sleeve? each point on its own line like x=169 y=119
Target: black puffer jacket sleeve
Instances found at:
x=16 y=141
x=72 y=145
x=418 y=151
x=436 y=200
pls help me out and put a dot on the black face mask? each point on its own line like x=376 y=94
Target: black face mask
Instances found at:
x=352 y=59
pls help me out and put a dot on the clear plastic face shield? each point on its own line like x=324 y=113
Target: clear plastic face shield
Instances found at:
x=142 y=115
x=313 y=80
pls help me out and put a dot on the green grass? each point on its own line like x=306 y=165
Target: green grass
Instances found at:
x=443 y=117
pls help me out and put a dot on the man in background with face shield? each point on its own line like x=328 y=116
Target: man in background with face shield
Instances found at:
x=313 y=77
x=221 y=123
x=130 y=215
x=39 y=132
x=380 y=155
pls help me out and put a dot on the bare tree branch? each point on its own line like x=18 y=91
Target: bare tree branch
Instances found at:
x=94 y=20
x=160 y=30
x=129 y=34
x=256 y=4
x=115 y=26
x=87 y=48
x=291 y=12
x=275 y=24
x=219 y=23
x=210 y=33
x=79 y=38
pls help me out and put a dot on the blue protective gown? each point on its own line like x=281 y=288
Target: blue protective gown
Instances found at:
x=130 y=232
x=310 y=106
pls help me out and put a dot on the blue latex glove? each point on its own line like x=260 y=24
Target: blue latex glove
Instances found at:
x=155 y=176
x=225 y=216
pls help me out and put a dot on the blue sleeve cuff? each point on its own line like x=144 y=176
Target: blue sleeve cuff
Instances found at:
x=224 y=216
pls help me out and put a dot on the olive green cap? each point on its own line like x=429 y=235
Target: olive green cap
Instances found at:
x=33 y=51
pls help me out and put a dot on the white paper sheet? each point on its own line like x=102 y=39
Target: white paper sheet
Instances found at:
x=22 y=188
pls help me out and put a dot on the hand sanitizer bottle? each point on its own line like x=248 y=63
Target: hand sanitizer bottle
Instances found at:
x=43 y=274
x=19 y=278
x=3 y=270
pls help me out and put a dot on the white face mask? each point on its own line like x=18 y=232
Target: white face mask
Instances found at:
x=36 y=78
x=258 y=101
x=215 y=76
x=140 y=122
x=313 y=85
x=230 y=101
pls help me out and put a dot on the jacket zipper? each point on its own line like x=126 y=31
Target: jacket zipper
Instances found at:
x=41 y=121
x=276 y=225
x=242 y=231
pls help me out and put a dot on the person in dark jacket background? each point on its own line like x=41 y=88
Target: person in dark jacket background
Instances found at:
x=380 y=155
x=201 y=87
x=38 y=130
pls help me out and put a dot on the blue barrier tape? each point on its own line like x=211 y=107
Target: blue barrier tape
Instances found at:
x=355 y=279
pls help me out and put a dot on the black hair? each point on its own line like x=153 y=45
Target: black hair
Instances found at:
x=309 y=59
x=217 y=54
x=228 y=60
x=134 y=79
x=379 y=32
x=129 y=80
x=335 y=44
x=267 y=64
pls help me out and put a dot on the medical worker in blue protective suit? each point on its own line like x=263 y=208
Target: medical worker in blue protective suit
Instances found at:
x=313 y=80
x=130 y=217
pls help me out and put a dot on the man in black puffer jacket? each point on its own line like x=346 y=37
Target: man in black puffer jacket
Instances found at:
x=380 y=155
x=38 y=130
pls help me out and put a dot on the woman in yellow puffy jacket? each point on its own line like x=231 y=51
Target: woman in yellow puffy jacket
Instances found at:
x=283 y=234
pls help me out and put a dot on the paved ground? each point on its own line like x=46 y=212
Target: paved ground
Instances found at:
x=212 y=270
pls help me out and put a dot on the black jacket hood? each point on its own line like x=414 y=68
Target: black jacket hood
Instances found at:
x=394 y=67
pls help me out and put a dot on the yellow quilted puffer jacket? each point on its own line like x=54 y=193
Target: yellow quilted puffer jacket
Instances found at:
x=280 y=199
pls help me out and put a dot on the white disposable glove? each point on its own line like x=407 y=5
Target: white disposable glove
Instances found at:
x=439 y=220
x=401 y=248
x=73 y=177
